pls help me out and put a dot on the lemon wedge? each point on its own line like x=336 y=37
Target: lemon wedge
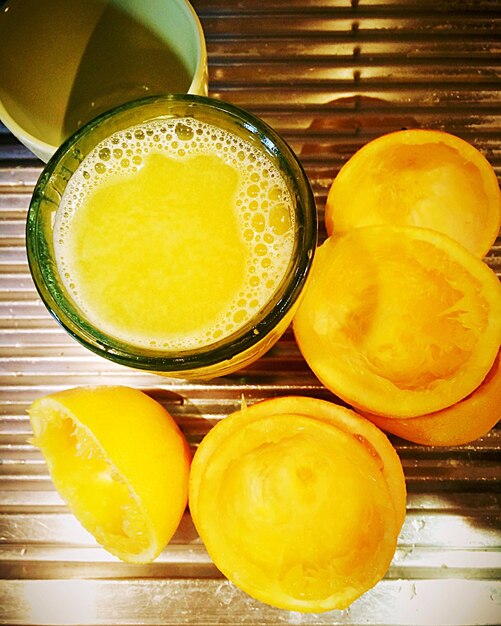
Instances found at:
x=119 y=461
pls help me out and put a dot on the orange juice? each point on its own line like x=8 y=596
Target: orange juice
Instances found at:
x=173 y=234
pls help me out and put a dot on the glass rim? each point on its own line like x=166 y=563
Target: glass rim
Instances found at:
x=240 y=341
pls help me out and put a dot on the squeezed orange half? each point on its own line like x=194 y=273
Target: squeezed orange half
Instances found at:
x=399 y=320
x=299 y=502
x=417 y=177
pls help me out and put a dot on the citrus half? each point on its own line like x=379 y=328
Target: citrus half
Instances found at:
x=120 y=462
x=417 y=177
x=299 y=502
x=399 y=320
x=461 y=423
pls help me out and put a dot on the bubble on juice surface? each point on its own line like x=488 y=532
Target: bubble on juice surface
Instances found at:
x=263 y=207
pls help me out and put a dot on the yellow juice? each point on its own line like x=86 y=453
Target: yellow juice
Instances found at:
x=173 y=235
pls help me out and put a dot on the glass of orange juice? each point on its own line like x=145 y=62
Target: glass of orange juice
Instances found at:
x=173 y=234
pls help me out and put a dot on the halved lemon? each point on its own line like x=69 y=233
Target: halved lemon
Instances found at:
x=418 y=177
x=299 y=502
x=120 y=462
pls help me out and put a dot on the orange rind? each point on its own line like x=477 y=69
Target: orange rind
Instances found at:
x=461 y=423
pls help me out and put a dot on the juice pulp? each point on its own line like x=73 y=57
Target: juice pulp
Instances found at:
x=174 y=234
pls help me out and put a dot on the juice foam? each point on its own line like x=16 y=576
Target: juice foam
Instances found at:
x=174 y=234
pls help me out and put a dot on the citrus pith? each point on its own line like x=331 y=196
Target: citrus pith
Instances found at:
x=461 y=423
